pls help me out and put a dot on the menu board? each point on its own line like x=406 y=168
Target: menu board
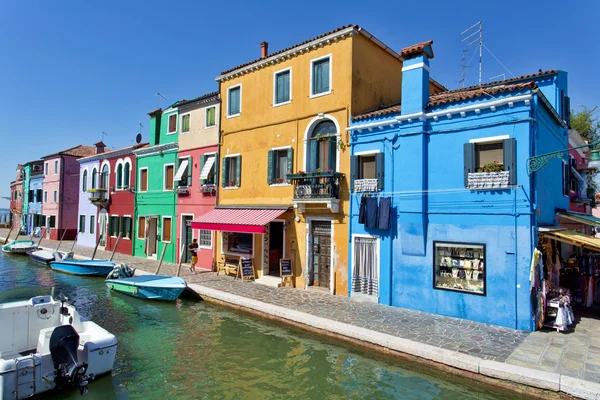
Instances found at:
x=247 y=268
x=285 y=266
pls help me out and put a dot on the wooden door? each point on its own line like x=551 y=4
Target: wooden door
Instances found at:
x=321 y=234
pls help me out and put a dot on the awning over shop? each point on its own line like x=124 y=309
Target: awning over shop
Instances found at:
x=580 y=218
x=574 y=238
x=243 y=220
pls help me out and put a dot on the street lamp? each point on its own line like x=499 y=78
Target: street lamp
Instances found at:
x=594 y=159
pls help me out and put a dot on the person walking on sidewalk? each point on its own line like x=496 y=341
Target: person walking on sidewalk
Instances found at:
x=193 y=248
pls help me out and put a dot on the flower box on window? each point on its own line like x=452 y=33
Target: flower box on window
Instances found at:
x=182 y=190
x=488 y=180
x=208 y=189
x=365 y=185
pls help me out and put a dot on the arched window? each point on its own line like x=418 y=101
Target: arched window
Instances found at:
x=104 y=177
x=323 y=147
x=126 y=174
x=94 y=173
x=119 y=176
x=84 y=181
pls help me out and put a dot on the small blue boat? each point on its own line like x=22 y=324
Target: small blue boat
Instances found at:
x=153 y=287
x=83 y=267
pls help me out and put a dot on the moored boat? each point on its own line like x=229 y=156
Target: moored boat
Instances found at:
x=151 y=287
x=47 y=345
x=19 y=247
x=46 y=256
x=83 y=267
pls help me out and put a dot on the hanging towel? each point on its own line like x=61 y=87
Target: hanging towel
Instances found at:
x=362 y=210
x=371 y=212
x=385 y=210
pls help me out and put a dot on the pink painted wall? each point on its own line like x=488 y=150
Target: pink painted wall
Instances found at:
x=573 y=206
x=64 y=179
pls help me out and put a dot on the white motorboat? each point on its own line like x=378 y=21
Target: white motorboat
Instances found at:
x=45 y=344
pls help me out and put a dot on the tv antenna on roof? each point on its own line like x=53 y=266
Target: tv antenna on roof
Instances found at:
x=503 y=76
x=478 y=38
x=104 y=134
x=159 y=96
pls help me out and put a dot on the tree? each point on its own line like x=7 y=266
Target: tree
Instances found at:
x=586 y=122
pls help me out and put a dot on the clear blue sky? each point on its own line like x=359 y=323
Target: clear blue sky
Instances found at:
x=71 y=70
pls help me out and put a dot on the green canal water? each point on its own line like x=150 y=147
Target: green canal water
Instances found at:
x=194 y=350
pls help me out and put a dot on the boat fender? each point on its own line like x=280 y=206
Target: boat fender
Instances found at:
x=135 y=290
x=45 y=312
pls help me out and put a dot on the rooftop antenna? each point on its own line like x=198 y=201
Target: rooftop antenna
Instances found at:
x=159 y=96
x=476 y=31
x=498 y=76
x=104 y=134
x=141 y=127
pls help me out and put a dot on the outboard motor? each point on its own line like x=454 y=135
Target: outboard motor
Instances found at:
x=63 y=349
x=57 y=256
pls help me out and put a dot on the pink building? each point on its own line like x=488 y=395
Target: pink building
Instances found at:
x=60 y=199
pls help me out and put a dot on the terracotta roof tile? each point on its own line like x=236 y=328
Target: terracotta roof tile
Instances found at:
x=291 y=47
x=538 y=74
x=77 y=151
x=452 y=97
x=207 y=96
x=416 y=49
x=157 y=111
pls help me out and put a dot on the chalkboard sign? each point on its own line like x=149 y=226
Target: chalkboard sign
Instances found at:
x=285 y=266
x=247 y=268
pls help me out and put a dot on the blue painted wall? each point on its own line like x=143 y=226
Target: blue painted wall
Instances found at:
x=35 y=207
x=424 y=175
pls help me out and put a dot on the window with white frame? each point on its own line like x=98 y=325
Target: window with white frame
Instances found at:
x=282 y=87
x=320 y=80
x=143 y=180
x=279 y=165
x=46 y=169
x=126 y=227
x=210 y=116
x=207 y=169
x=82 y=224
x=185 y=123
x=84 y=181
x=119 y=176
x=169 y=175
x=232 y=171
x=205 y=238
x=92 y=224
x=172 y=121
x=94 y=173
x=55 y=167
x=126 y=174
x=239 y=243
x=234 y=101
x=55 y=196
x=166 y=229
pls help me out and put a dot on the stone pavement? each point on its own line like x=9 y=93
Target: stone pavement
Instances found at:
x=575 y=354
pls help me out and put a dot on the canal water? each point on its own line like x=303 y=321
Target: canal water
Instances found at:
x=195 y=350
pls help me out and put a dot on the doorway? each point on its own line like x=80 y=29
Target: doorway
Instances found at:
x=186 y=235
x=152 y=236
x=276 y=246
x=320 y=274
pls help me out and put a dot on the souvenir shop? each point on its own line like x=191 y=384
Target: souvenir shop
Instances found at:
x=564 y=276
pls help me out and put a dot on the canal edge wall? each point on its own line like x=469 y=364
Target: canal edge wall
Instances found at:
x=502 y=375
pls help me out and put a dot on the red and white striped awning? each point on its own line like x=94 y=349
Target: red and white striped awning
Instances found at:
x=243 y=220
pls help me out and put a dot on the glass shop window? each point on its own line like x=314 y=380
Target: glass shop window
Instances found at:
x=459 y=267
x=238 y=242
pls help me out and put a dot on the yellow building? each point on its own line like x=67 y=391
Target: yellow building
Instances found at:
x=284 y=156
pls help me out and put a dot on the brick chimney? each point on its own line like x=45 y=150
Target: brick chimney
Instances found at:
x=264 y=49
x=100 y=147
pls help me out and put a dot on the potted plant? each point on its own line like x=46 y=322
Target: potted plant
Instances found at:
x=494 y=166
x=231 y=183
x=488 y=176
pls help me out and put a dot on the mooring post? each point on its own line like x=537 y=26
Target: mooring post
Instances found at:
x=96 y=248
x=180 y=259
x=7 y=236
x=115 y=249
x=42 y=232
x=162 y=255
x=61 y=239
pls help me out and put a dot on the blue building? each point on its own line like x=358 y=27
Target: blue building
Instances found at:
x=465 y=211
x=35 y=218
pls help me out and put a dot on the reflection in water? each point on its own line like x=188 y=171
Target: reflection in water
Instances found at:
x=193 y=350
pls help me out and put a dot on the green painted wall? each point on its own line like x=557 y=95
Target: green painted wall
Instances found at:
x=27 y=169
x=164 y=125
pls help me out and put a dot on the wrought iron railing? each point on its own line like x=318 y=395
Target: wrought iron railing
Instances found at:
x=316 y=185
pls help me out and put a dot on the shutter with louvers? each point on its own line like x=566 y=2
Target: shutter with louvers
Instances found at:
x=202 y=161
x=379 y=170
x=216 y=169
x=290 y=162
x=224 y=182
x=568 y=110
x=189 y=171
x=469 y=161
x=510 y=159
x=312 y=164
x=353 y=171
x=270 y=167
x=331 y=152
x=238 y=171
x=110 y=226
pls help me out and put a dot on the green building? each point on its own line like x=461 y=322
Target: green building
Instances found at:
x=155 y=197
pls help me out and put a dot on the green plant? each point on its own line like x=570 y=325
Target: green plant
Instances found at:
x=491 y=167
x=341 y=145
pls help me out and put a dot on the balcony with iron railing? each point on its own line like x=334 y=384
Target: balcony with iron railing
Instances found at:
x=316 y=188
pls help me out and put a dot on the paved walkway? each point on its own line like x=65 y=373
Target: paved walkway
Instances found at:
x=548 y=355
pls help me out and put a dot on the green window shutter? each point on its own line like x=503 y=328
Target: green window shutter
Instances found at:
x=379 y=170
x=202 y=162
x=120 y=176
x=270 y=167
x=314 y=146
x=189 y=171
x=290 y=162
x=353 y=171
x=510 y=159
x=238 y=172
x=126 y=175
x=331 y=152
x=110 y=224
x=224 y=182
x=469 y=161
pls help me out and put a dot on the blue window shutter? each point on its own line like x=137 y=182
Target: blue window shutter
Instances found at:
x=353 y=171
x=331 y=152
x=510 y=159
x=314 y=145
x=238 y=171
x=469 y=161
x=202 y=161
x=568 y=110
x=379 y=169
x=225 y=175
x=290 y=162
x=270 y=167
